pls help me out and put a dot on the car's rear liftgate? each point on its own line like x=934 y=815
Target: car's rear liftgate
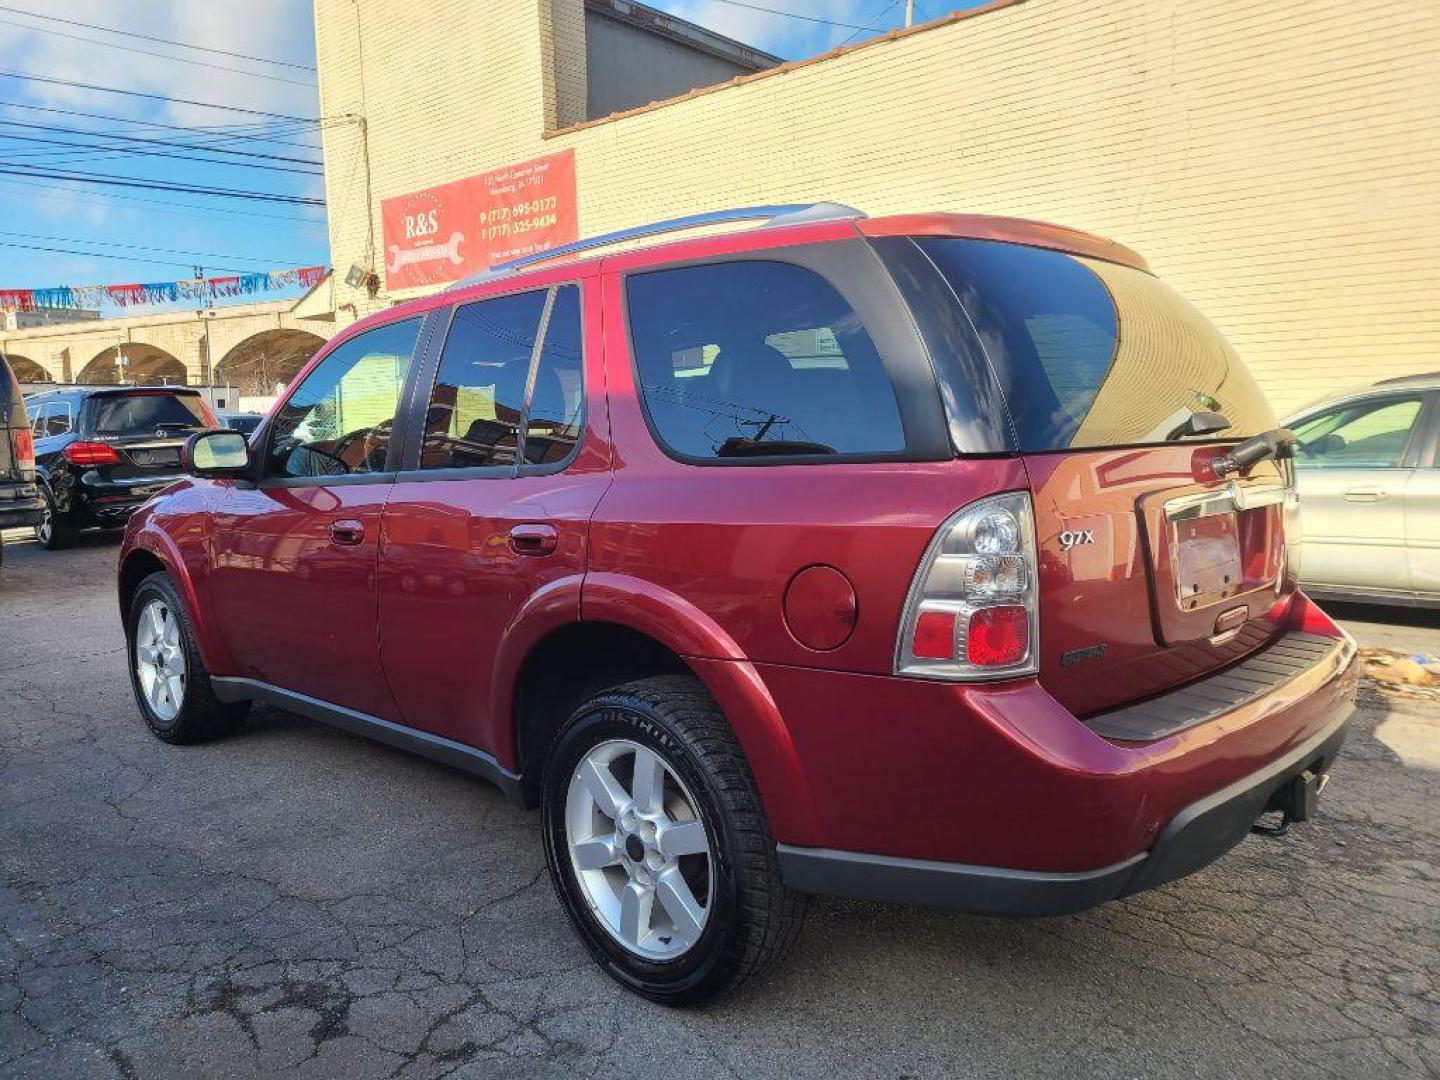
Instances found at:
x=1153 y=572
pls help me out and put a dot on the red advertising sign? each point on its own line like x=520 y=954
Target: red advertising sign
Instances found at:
x=444 y=233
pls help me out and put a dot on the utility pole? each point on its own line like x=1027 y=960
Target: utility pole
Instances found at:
x=206 y=369
x=909 y=14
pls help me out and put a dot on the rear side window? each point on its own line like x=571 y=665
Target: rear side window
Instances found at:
x=145 y=412
x=53 y=418
x=1089 y=353
x=485 y=393
x=552 y=426
x=739 y=360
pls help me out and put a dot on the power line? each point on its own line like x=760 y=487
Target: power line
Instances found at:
x=127 y=246
x=169 y=206
x=55 y=129
x=98 y=151
x=793 y=15
x=152 y=37
x=878 y=16
x=162 y=56
x=154 y=97
x=156 y=185
x=122 y=258
x=256 y=136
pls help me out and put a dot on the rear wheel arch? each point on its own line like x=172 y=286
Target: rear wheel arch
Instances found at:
x=563 y=669
x=574 y=662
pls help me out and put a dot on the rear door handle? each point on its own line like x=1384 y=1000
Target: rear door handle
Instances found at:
x=534 y=538
x=1366 y=494
x=347 y=531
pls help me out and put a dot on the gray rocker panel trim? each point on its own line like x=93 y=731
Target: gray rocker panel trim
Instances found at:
x=434 y=747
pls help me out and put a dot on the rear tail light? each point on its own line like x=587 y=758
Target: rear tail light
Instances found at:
x=972 y=609
x=24 y=449
x=90 y=453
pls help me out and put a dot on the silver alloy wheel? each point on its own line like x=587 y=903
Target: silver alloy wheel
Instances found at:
x=47 y=523
x=639 y=849
x=160 y=659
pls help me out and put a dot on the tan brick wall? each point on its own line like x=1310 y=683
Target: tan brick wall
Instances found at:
x=1275 y=162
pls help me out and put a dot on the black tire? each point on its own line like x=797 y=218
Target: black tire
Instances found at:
x=753 y=920
x=58 y=531
x=201 y=716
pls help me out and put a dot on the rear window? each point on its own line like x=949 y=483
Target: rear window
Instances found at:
x=133 y=414
x=748 y=359
x=1089 y=353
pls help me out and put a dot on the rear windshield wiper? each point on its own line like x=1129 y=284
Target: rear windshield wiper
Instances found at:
x=739 y=447
x=1204 y=422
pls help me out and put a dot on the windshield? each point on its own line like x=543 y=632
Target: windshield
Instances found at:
x=1090 y=353
x=147 y=413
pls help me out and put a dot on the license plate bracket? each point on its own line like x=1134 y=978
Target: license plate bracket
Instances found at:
x=1207 y=563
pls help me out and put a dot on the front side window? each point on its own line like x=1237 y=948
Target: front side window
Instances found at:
x=753 y=358
x=338 y=421
x=1360 y=435
x=486 y=408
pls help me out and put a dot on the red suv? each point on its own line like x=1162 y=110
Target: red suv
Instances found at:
x=937 y=559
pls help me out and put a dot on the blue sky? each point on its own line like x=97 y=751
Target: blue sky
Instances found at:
x=97 y=233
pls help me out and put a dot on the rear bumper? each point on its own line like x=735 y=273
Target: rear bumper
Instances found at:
x=20 y=505
x=1194 y=838
x=997 y=799
x=111 y=502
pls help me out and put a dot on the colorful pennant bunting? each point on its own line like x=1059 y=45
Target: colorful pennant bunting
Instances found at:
x=160 y=292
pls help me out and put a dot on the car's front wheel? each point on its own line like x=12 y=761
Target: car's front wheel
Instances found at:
x=167 y=673
x=659 y=847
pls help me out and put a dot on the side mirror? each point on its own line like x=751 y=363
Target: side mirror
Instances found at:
x=217 y=454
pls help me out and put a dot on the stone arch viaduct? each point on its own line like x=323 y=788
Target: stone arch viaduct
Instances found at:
x=254 y=347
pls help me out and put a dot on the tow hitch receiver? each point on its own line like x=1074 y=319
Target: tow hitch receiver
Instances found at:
x=1293 y=801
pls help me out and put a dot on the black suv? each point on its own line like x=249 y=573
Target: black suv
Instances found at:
x=19 y=499
x=101 y=452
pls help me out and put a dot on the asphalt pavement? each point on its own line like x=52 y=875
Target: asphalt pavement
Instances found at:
x=296 y=901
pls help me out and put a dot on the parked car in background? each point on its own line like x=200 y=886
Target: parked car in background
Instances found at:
x=1368 y=464
x=934 y=559
x=101 y=451
x=243 y=422
x=19 y=497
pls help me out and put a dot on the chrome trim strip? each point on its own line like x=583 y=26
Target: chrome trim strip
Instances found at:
x=1227 y=500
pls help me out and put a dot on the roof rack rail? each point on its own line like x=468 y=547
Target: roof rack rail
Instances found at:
x=772 y=216
x=1419 y=376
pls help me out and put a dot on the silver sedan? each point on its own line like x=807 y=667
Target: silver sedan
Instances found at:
x=1369 y=479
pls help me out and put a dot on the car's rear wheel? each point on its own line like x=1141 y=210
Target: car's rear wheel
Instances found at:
x=167 y=673
x=658 y=845
x=55 y=531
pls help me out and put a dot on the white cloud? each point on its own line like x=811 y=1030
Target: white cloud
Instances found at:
x=66 y=202
x=257 y=27
x=780 y=34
